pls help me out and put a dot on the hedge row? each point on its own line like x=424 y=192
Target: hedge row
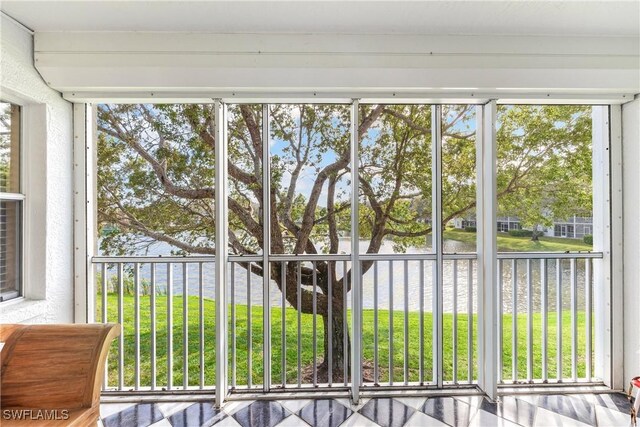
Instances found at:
x=521 y=233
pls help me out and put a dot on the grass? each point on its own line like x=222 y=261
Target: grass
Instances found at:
x=508 y=243
x=242 y=371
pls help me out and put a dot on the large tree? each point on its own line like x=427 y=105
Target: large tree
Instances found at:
x=157 y=168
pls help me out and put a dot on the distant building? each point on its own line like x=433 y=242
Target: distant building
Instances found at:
x=463 y=223
x=575 y=227
x=508 y=223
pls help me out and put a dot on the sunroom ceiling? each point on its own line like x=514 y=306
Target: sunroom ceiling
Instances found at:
x=588 y=18
x=467 y=50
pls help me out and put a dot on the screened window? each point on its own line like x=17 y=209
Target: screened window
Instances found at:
x=544 y=177
x=11 y=201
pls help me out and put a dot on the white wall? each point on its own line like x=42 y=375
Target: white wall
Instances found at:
x=631 y=193
x=47 y=184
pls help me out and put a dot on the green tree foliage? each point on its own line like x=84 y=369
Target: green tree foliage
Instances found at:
x=5 y=146
x=544 y=162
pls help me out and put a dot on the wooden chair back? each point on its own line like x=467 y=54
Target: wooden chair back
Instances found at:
x=54 y=366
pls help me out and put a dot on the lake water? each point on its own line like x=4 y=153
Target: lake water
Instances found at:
x=393 y=290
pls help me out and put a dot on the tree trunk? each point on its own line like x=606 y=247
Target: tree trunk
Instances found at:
x=535 y=236
x=340 y=356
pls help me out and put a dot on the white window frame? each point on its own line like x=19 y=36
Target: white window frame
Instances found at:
x=31 y=303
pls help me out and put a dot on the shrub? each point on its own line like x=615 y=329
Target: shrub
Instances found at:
x=588 y=239
x=128 y=284
x=470 y=229
x=521 y=233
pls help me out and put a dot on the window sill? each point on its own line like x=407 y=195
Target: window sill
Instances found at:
x=22 y=310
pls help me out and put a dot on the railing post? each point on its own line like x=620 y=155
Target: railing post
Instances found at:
x=169 y=325
x=222 y=221
x=356 y=300
x=487 y=248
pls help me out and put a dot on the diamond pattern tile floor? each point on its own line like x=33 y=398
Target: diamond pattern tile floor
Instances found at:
x=387 y=412
x=263 y=413
x=200 y=414
x=509 y=411
x=570 y=406
x=325 y=413
x=142 y=415
x=449 y=410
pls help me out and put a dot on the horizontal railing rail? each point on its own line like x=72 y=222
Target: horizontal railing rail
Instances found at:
x=549 y=255
x=343 y=257
x=153 y=259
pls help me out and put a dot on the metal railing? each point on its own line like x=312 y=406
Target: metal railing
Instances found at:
x=166 y=306
x=401 y=319
x=168 y=340
x=551 y=295
x=297 y=327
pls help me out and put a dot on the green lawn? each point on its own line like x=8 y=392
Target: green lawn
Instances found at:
x=307 y=340
x=508 y=243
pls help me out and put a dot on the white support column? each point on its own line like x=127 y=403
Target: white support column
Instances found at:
x=618 y=382
x=607 y=238
x=631 y=156
x=266 y=248
x=222 y=221
x=356 y=298
x=487 y=248
x=84 y=211
x=600 y=146
x=600 y=142
x=436 y=230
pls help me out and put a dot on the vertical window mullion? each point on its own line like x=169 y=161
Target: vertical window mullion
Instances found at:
x=221 y=250
x=436 y=227
x=266 y=249
x=487 y=249
x=356 y=300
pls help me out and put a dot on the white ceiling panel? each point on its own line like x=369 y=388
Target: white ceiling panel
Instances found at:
x=589 y=18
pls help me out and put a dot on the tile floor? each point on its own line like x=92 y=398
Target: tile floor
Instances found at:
x=527 y=410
